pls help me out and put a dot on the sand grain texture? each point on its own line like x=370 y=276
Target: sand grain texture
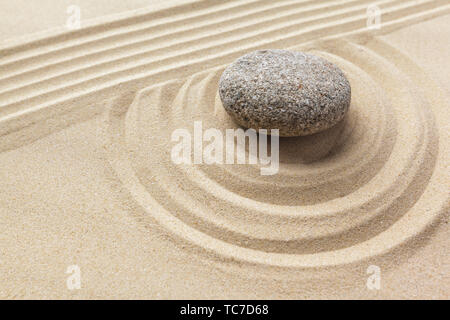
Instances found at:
x=85 y=124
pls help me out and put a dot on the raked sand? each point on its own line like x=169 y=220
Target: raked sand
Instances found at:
x=87 y=179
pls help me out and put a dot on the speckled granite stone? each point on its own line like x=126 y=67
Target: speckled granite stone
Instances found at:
x=295 y=92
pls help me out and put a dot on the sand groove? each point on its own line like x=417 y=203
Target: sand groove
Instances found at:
x=371 y=190
x=154 y=47
x=150 y=33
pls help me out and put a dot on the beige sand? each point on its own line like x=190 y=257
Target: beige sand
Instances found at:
x=85 y=124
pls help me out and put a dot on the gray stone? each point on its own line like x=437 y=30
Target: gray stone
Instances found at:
x=295 y=92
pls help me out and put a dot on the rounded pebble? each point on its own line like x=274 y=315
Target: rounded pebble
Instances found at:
x=295 y=92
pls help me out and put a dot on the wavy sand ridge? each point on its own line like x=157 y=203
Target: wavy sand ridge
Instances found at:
x=355 y=192
x=61 y=74
x=361 y=195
